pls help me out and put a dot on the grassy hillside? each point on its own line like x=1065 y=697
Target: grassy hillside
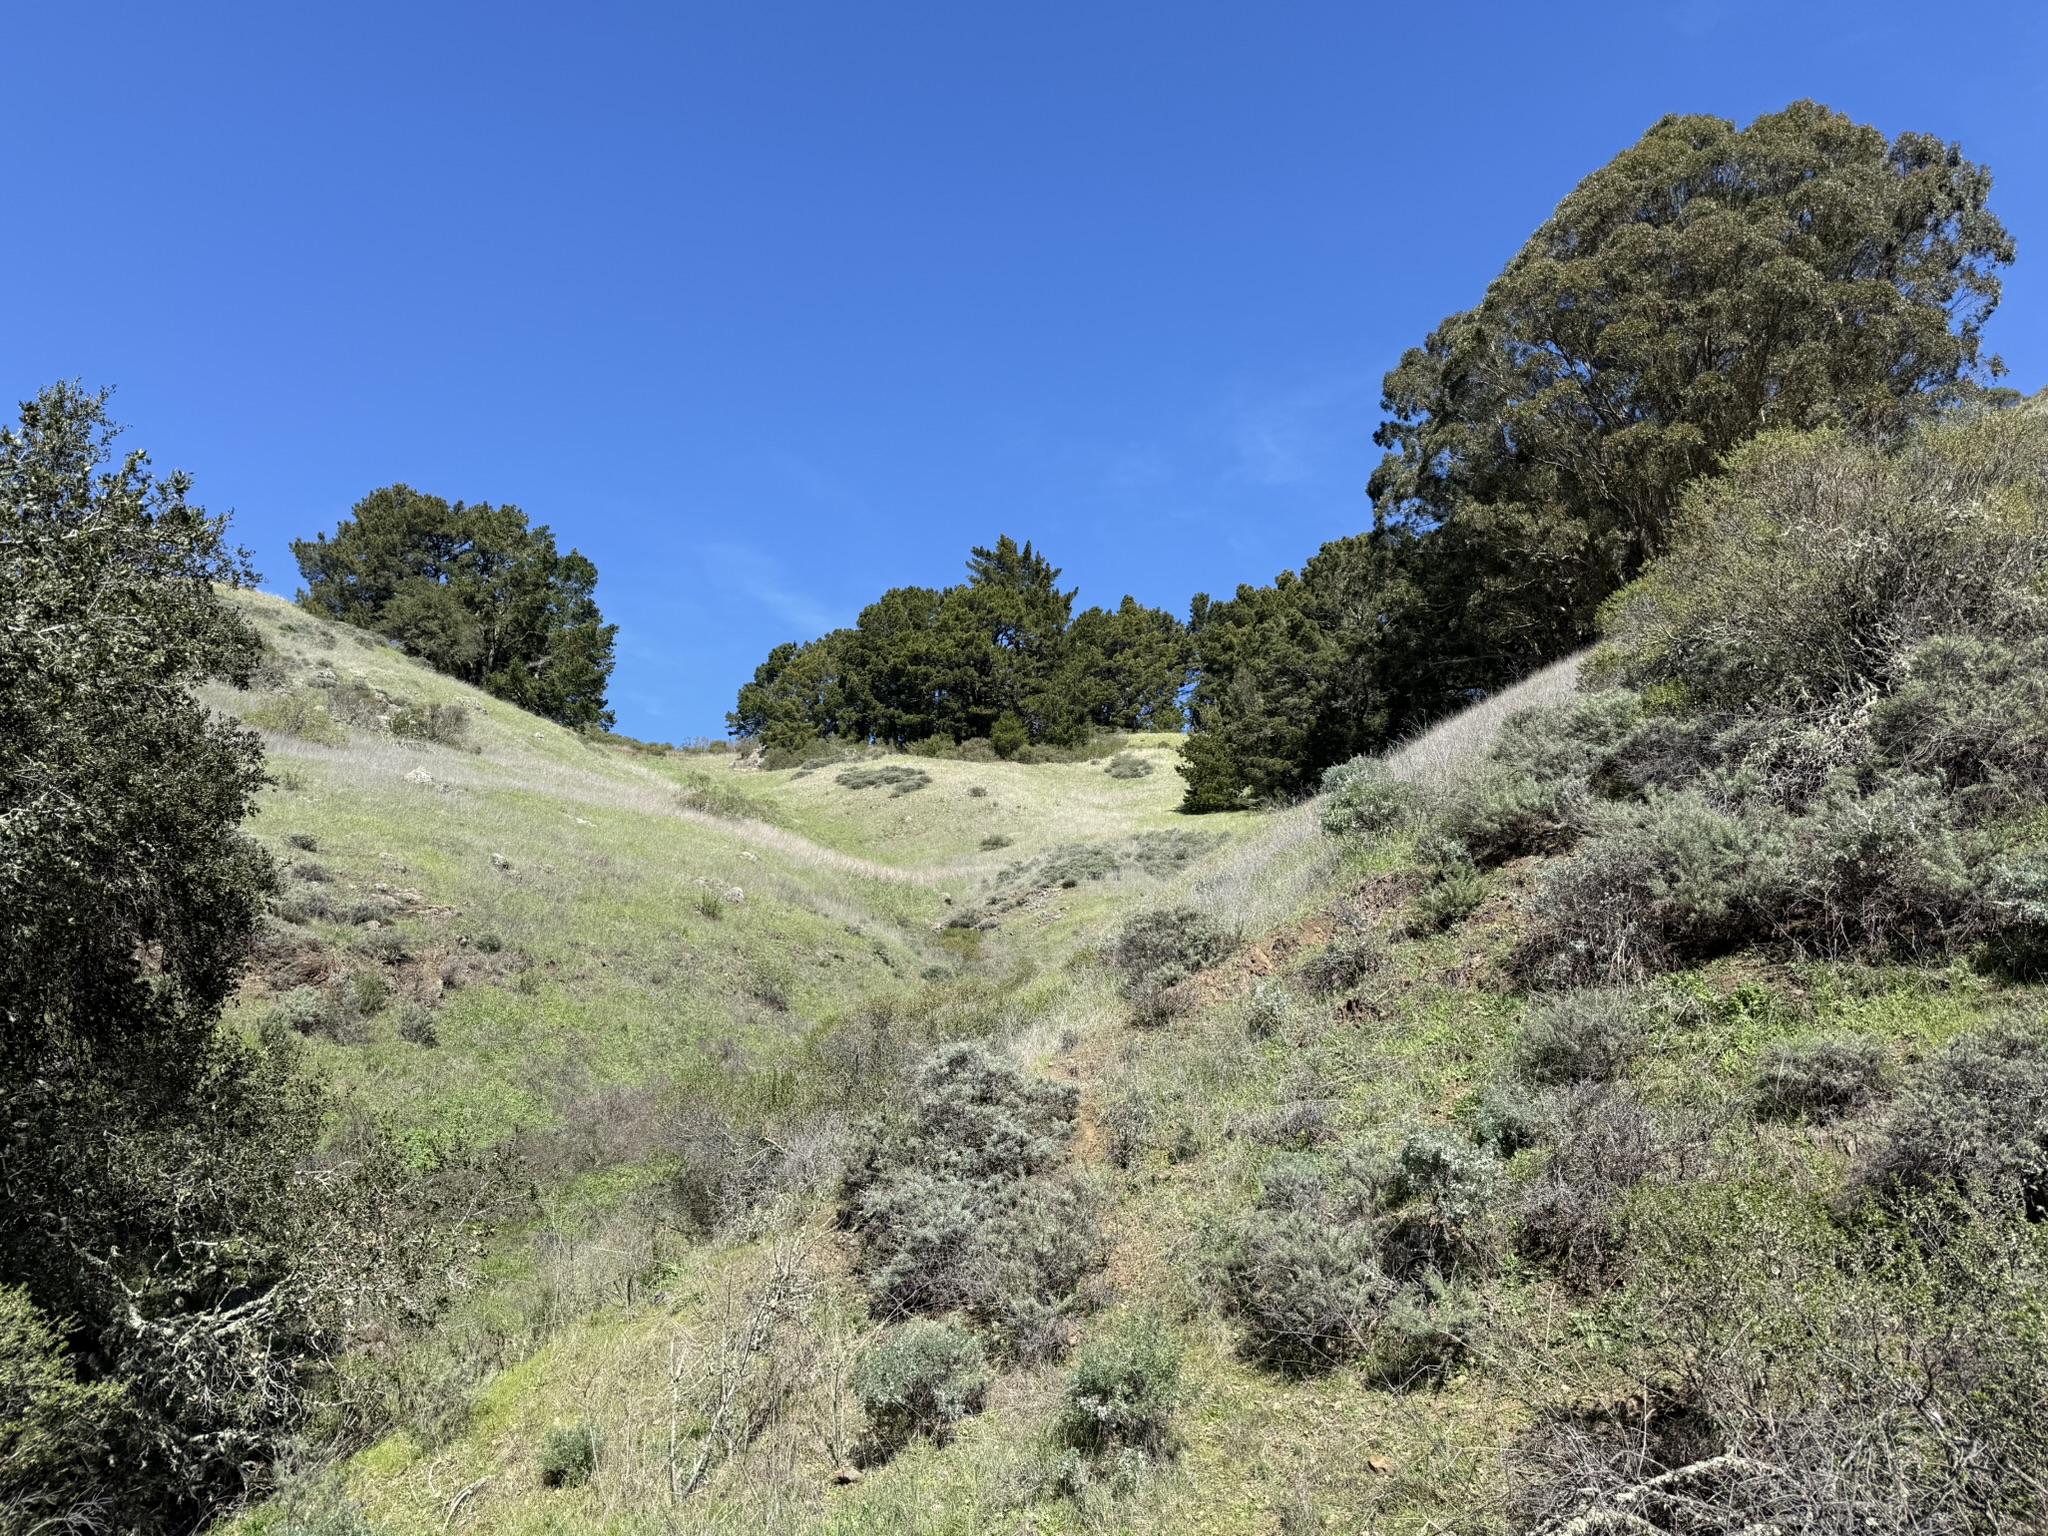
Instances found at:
x=666 y=989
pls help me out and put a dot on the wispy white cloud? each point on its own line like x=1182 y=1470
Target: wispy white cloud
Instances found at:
x=1294 y=436
x=1138 y=467
x=760 y=579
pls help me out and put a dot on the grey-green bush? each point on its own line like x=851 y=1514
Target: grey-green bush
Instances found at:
x=1587 y=1036
x=1361 y=800
x=965 y=1202
x=1304 y=1273
x=1156 y=951
x=1124 y=1389
x=1820 y=1079
x=1606 y=1141
x=1442 y=1194
x=1340 y=965
x=1973 y=1121
x=920 y=1378
x=568 y=1457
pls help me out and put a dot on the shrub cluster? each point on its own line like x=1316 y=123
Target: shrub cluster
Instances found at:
x=1123 y=1391
x=1362 y=800
x=1973 y=1122
x=899 y=778
x=1304 y=1271
x=965 y=1201
x=920 y=1378
x=1157 y=951
x=1817 y=722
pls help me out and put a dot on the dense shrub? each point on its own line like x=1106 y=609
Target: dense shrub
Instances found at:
x=920 y=1378
x=1442 y=1194
x=54 y=1428
x=568 y=1457
x=1820 y=1078
x=1304 y=1272
x=1128 y=765
x=1156 y=951
x=1124 y=1389
x=1340 y=965
x=1268 y=1008
x=1505 y=1119
x=1606 y=1141
x=1588 y=1036
x=1361 y=799
x=447 y=724
x=1429 y=1327
x=964 y=1203
x=1805 y=1374
x=1973 y=1121
x=900 y=778
x=1814 y=566
x=1453 y=896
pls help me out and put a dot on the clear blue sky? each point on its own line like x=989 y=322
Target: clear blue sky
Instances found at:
x=766 y=307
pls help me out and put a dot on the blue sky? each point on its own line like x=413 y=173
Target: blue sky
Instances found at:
x=766 y=307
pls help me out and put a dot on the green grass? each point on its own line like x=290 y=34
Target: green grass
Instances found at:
x=568 y=913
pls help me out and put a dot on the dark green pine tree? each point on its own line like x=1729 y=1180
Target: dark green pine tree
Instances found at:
x=472 y=590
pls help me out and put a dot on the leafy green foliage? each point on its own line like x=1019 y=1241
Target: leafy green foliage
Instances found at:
x=920 y=1378
x=475 y=592
x=1001 y=659
x=1709 y=283
x=54 y=1429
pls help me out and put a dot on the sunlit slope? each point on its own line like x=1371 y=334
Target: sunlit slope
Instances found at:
x=572 y=922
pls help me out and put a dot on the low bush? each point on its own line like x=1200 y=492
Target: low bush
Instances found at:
x=1442 y=1193
x=1268 y=1008
x=1606 y=1141
x=1071 y=863
x=1157 y=951
x=568 y=1457
x=1430 y=1326
x=898 y=778
x=1587 y=1036
x=1820 y=1079
x=416 y=1025
x=307 y=1011
x=716 y=795
x=1304 y=1273
x=1362 y=800
x=1453 y=896
x=920 y=1378
x=994 y=841
x=1128 y=765
x=1340 y=965
x=1973 y=1121
x=302 y=712
x=1124 y=1389
x=965 y=1203
x=446 y=724
x=1505 y=1119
